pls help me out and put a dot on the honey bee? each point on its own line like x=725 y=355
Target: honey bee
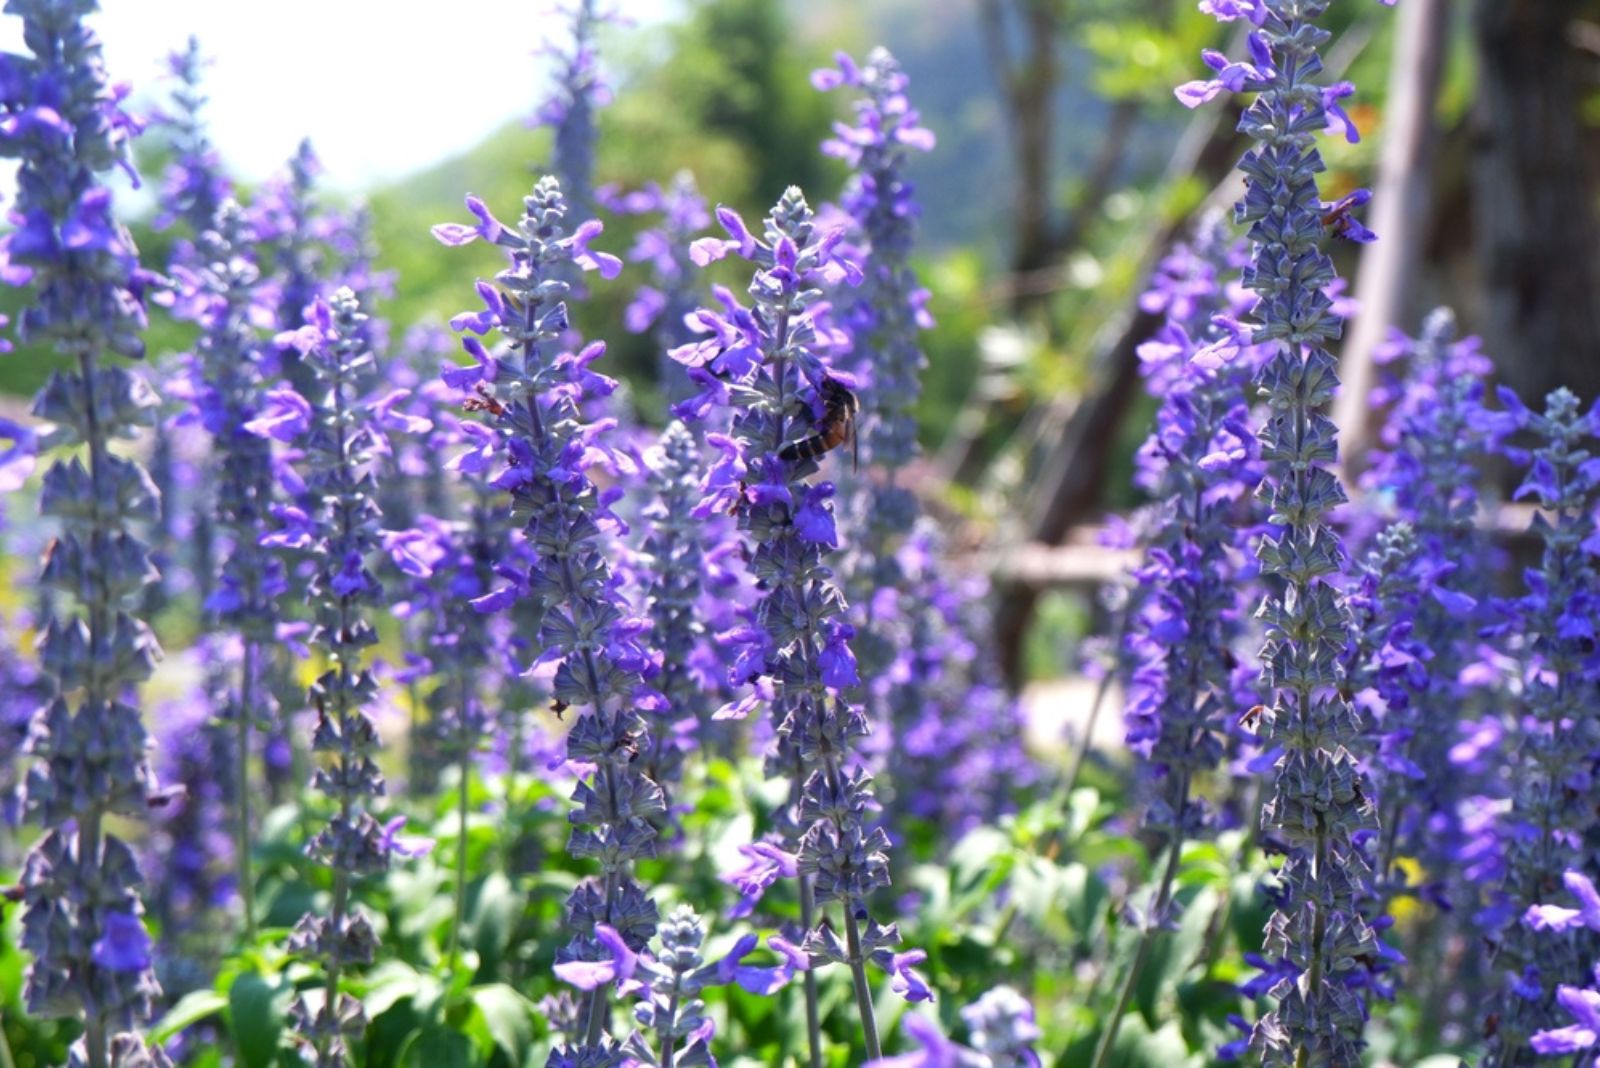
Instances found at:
x=1340 y=223
x=838 y=422
x=483 y=401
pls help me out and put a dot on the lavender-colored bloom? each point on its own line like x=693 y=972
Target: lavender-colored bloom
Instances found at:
x=190 y=849
x=1437 y=705
x=761 y=362
x=1393 y=671
x=1320 y=803
x=340 y=530
x=194 y=186
x=1179 y=643
x=230 y=366
x=287 y=223
x=1200 y=463
x=678 y=573
x=670 y=982
x=192 y=189
x=1001 y=1027
x=80 y=883
x=1001 y=1030
x=577 y=93
x=1551 y=630
x=1581 y=1004
x=588 y=633
x=922 y=665
x=665 y=301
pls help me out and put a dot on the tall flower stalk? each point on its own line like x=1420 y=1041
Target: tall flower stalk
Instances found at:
x=533 y=393
x=678 y=570
x=662 y=304
x=338 y=530
x=1552 y=631
x=1320 y=803
x=80 y=884
x=1200 y=465
x=576 y=95
x=192 y=189
x=230 y=368
x=761 y=363
x=287 y=222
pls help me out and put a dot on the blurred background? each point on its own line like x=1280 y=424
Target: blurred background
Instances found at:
x=1064 y=167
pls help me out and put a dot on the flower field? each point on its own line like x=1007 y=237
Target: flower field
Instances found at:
x=432 y=693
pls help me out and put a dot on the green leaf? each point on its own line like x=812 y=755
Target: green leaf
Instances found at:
x=436 y=1046
x=508 y=1017
x=389 y=983
x=191 y=1008
x=492 y=907
x=256 y=1010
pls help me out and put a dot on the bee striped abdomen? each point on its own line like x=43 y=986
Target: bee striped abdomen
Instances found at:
x=837 y=424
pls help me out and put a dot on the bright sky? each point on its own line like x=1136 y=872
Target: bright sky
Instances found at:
x=382 y=87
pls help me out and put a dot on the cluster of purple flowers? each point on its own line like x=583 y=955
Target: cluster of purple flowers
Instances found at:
x=946 y=744
x=1321 y=807
x=334 y=523
x=761 y=362
x=1551 y=632
x=80 y=882
x=589 y=632
x=576 y=95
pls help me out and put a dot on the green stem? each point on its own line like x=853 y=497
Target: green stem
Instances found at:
x=669 y=1037
x=99 y=621
x=247 y=889
x=6 y=1060
x=1147 y=937
x=1081 y=752
x=513 y=824
x=858 y=972
x=463 y=800
x=808 y=911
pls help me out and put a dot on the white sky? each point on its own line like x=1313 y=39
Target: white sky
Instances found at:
x=382 y=87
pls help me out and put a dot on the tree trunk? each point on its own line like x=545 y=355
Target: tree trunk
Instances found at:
x=1401 y=212
x=1534 y=199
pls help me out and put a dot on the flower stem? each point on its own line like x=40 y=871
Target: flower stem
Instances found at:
x=1080 y=752
x=463 y=799
x=1147 y=937
x=808 y=911
x=6 y=1060
x=669 y=1036
x=247 y=891
x=858 y=972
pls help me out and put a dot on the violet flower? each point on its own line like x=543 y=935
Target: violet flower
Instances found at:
x=663 y=304
x=339 y=534
x=80 y=882
x=577 y=93
x=293 y=235
x=194 y=186
x=230 y=366
x=1180 y=643
x=534 y=394
x=1320 y=804
x=677 y=568
x=1580 y=1003
x=761 y=363
x=1427 y=474
x=669 y=984
x=1551 y=629
x=192 y=189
